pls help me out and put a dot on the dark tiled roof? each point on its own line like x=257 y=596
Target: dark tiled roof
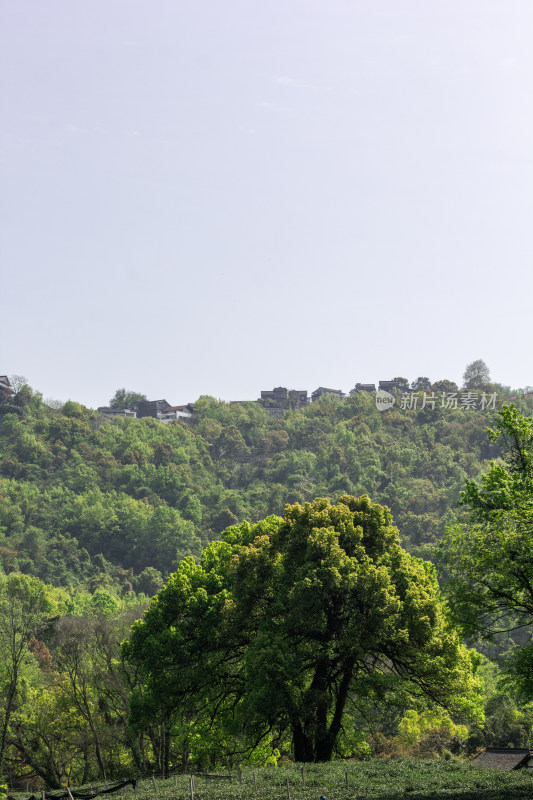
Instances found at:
x=506 y=758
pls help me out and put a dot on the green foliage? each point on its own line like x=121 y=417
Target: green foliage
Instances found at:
x=476 y=375
x=403 y=381
x=81 y=499
x=488 y=559
x=149 y=582
x=380 y=779
x=24 y=607
x=392 y=779
x=281 y=621
x=105 y=510
x=444 y=385
x=415 y=729
x=507 y=724
x=125 y=399
x=421 y=384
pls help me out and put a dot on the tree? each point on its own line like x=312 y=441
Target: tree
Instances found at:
x=487 y=560
x=24 y=606
x=281 y=622
x=74 y=653
x=444 y=386
x=404 y=382
x=52 y=402
x=149 y=582
x=125 y=399
x=476 y=375
x=17 y=382
x=421 y=384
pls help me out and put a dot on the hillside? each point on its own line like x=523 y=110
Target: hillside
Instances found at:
x=87 y=501
x=102 y=511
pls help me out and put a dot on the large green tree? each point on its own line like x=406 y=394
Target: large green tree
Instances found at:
x=24 y=606
x=283 y=620
x=488 y=560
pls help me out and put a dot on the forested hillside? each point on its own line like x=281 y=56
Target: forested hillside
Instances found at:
x=95 y=515
x=87 y=501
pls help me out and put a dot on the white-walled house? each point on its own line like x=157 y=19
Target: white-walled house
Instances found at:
x=172 y=413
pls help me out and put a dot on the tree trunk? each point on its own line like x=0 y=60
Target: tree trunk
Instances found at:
x=314 y=740
x=166 y=753
x=302 y=744
x=9 y=709
x=96 y=739
x=327 y=737
x=47 y=771
x=85 y=768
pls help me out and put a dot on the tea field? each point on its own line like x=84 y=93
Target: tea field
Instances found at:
x=374 y=780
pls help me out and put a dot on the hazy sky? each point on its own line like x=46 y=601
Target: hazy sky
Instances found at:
x=219 y=197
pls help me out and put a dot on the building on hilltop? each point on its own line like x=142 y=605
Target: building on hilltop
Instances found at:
x=363 y=387
x=151 y=408
x=276 y=395
x=385 y=386
x=111 y=413
x=5 y=386
x=388 y=386
x=278 y=400
x=172 y=413
x=157 y=409
x=298 y=398
x=322 y=391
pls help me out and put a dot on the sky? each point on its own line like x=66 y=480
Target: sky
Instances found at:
x=205 y=197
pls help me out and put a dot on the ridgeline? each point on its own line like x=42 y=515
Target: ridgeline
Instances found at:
x=86 y=501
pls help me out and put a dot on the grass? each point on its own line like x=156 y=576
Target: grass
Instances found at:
x=373 y=780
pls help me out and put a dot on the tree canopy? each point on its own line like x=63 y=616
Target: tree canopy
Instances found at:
x=82 y=498
x=282 y=621
x=421 y=384
x=24 y=606
x=444 y=386
x=488 y=560
x=476 y=375
x=125 y=399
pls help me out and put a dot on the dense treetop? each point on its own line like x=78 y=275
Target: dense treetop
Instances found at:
x=487 y=557
x=89 y=500
x=281 y=623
